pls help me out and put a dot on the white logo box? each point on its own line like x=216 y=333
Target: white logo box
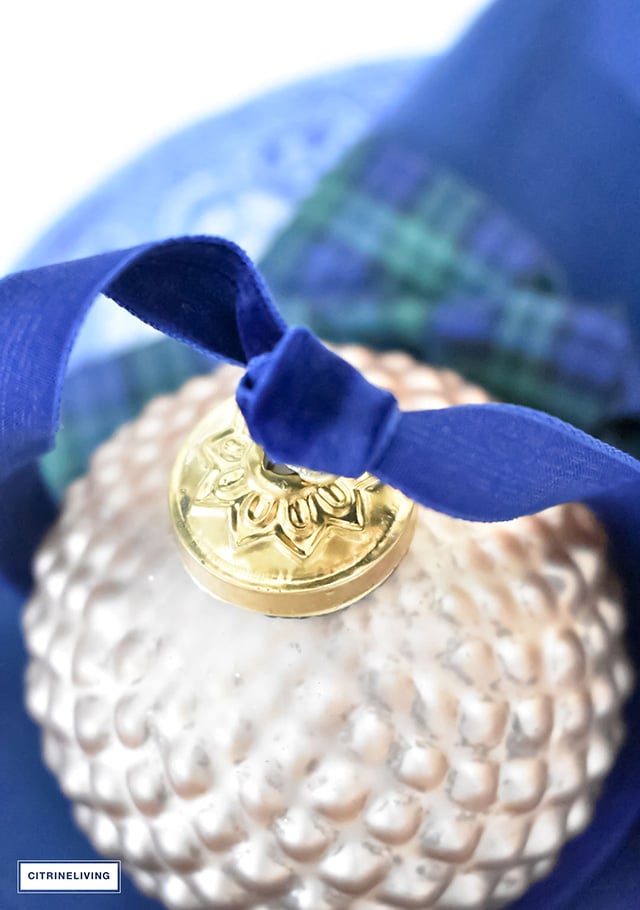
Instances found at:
x=59 y=876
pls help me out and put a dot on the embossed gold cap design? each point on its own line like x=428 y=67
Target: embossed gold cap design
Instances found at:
x=278 y=539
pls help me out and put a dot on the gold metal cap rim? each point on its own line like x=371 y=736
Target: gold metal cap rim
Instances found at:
x=303 y=601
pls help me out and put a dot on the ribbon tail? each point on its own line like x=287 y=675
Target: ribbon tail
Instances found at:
x=495 y=462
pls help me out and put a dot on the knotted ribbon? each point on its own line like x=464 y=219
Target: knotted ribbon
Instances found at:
x=303 y=403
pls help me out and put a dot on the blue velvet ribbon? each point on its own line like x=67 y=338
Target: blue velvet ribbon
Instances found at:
x=304 y=404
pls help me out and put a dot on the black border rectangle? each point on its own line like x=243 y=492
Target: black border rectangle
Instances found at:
x=49 y=862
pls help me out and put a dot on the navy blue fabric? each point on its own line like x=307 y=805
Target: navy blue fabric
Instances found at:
x=539 y=106
x=26 y=511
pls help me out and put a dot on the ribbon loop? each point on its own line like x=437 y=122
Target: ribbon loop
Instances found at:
x=204 y=291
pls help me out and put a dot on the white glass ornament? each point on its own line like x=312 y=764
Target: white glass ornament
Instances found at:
x=433 y=745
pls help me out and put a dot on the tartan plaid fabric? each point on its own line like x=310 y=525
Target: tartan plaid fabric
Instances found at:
x=393 y=251
x=396 y=251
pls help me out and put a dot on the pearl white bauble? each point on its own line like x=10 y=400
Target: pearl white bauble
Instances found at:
x=433 y=745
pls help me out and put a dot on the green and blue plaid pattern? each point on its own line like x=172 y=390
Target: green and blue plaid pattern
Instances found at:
x=393 y=251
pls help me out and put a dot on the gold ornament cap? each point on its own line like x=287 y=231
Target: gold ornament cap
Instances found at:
x=278 y=539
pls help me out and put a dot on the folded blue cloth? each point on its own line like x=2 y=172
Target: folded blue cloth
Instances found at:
x=539 y=106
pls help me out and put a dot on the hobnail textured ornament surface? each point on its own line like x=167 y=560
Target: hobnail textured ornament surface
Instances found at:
x=433 y=745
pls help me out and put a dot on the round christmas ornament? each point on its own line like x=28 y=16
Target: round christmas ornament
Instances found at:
x=432 y=744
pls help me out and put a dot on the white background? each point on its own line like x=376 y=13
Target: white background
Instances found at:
x=84 y=86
